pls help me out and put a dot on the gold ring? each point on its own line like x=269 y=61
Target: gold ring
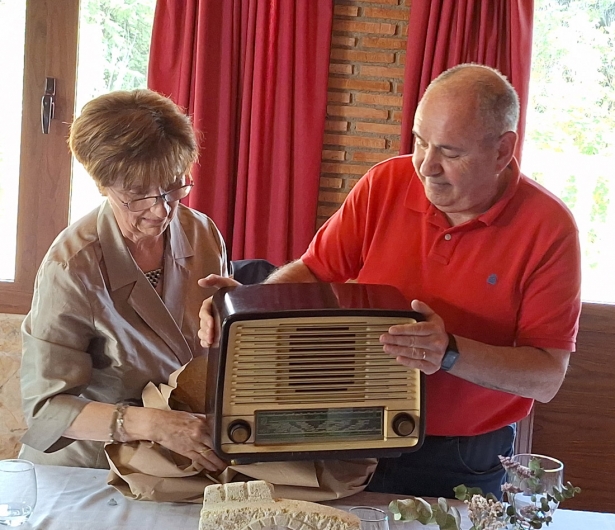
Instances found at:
x=205 y=452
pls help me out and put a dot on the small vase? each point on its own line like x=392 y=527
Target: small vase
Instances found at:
x=533 y=483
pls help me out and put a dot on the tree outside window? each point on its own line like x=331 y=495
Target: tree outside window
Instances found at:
x=113 y=55
x=570 y=136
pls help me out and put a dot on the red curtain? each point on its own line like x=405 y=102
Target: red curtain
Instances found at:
x=444 y=33
x=253 y=75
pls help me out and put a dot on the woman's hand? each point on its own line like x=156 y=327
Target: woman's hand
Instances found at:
x=207 y=331
x=182 y=432
x=420 y=345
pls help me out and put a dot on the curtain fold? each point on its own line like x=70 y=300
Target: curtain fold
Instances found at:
x=444 y=33
x=253 y=76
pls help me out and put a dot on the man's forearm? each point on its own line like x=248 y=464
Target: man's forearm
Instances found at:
x=525 y=371
x=294 y=272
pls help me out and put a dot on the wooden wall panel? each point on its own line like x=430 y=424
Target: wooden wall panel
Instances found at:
x=578 y=426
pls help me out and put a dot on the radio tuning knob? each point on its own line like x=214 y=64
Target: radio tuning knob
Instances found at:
x=403 y=424
x=239 y=432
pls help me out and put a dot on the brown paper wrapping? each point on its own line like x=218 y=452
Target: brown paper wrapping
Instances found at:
x=147 y=471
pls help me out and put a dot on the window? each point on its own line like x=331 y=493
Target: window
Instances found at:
x=115 y=46
x=12 y=33
x=36 y=192
x=570 y=136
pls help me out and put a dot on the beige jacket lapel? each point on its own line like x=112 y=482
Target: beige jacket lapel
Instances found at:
x=175 y=272
x=130 y=285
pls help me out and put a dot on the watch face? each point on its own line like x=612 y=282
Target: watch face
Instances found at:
x=449 y=359
x=451 y=355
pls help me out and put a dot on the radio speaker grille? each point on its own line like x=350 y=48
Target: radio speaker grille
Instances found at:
x=334 y=360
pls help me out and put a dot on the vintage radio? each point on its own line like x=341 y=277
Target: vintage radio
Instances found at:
x=299 y=373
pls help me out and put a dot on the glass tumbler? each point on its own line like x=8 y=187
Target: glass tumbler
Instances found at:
x=532 y=498
x=371 y=518
x=17 y=491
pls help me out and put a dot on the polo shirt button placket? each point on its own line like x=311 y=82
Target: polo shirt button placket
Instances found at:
x=442 y=249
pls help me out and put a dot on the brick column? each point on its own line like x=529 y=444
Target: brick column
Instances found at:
x=365 y=94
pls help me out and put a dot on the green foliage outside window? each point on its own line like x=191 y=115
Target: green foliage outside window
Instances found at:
x=126 y=27
x=570 y=130
x=574 y=66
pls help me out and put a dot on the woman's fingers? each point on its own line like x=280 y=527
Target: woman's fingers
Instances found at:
x=207 y=330
x=207 y=458
x=217 y=281
x=188 y=435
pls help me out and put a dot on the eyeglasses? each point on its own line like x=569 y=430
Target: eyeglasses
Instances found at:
x=138 y=205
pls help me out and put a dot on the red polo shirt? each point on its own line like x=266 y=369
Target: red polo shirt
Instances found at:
x=510 y=277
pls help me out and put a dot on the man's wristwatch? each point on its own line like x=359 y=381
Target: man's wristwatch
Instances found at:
x=451 y=355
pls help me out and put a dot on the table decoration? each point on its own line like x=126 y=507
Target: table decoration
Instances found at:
x=533 y=490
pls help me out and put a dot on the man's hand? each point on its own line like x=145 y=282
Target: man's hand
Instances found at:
x=207 y=329
x=420 y=345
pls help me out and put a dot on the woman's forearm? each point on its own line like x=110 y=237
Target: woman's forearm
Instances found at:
x=98 y=422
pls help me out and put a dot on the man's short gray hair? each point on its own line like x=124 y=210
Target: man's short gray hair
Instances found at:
x=497 y=99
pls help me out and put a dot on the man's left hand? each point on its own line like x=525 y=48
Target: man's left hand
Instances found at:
x=418 y=345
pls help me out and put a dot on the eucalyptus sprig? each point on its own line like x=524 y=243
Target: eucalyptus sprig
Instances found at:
x=538 y=513
x=417 y=509
x=485 y=511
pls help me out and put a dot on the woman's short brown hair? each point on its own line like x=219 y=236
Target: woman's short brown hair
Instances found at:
x=135 y=138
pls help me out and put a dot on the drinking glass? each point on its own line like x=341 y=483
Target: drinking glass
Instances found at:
x=17 y=491
x=536 y=478
x=371 y=518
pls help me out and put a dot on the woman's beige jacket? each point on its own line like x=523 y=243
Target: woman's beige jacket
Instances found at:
x=98 y=331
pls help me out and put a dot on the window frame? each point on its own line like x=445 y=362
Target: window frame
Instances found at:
x=51 y=38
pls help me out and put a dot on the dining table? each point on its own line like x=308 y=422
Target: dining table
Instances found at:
x=73 y=498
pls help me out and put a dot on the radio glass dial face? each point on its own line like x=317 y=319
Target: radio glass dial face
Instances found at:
x=319 y=425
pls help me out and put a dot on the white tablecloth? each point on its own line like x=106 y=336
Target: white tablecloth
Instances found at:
x=80 y=499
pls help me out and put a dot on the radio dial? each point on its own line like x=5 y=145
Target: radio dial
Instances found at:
x=239 y=432
x=403 y=424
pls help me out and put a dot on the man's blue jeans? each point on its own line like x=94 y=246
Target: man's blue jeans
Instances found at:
x=444 y=462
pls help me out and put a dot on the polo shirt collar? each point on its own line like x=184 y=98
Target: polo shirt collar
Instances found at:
x=494 y=212
x=417 y=200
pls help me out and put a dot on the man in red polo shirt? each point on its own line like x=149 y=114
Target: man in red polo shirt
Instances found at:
x=487 y=255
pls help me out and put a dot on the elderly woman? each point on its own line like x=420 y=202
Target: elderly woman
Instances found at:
x=116 y=298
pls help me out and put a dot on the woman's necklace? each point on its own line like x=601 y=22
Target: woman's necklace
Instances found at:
x=154 y=276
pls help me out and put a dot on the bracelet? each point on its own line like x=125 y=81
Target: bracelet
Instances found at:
x=117 y=433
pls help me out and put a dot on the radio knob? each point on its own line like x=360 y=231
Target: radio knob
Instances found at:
x=239 y=432
x=403 y=424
